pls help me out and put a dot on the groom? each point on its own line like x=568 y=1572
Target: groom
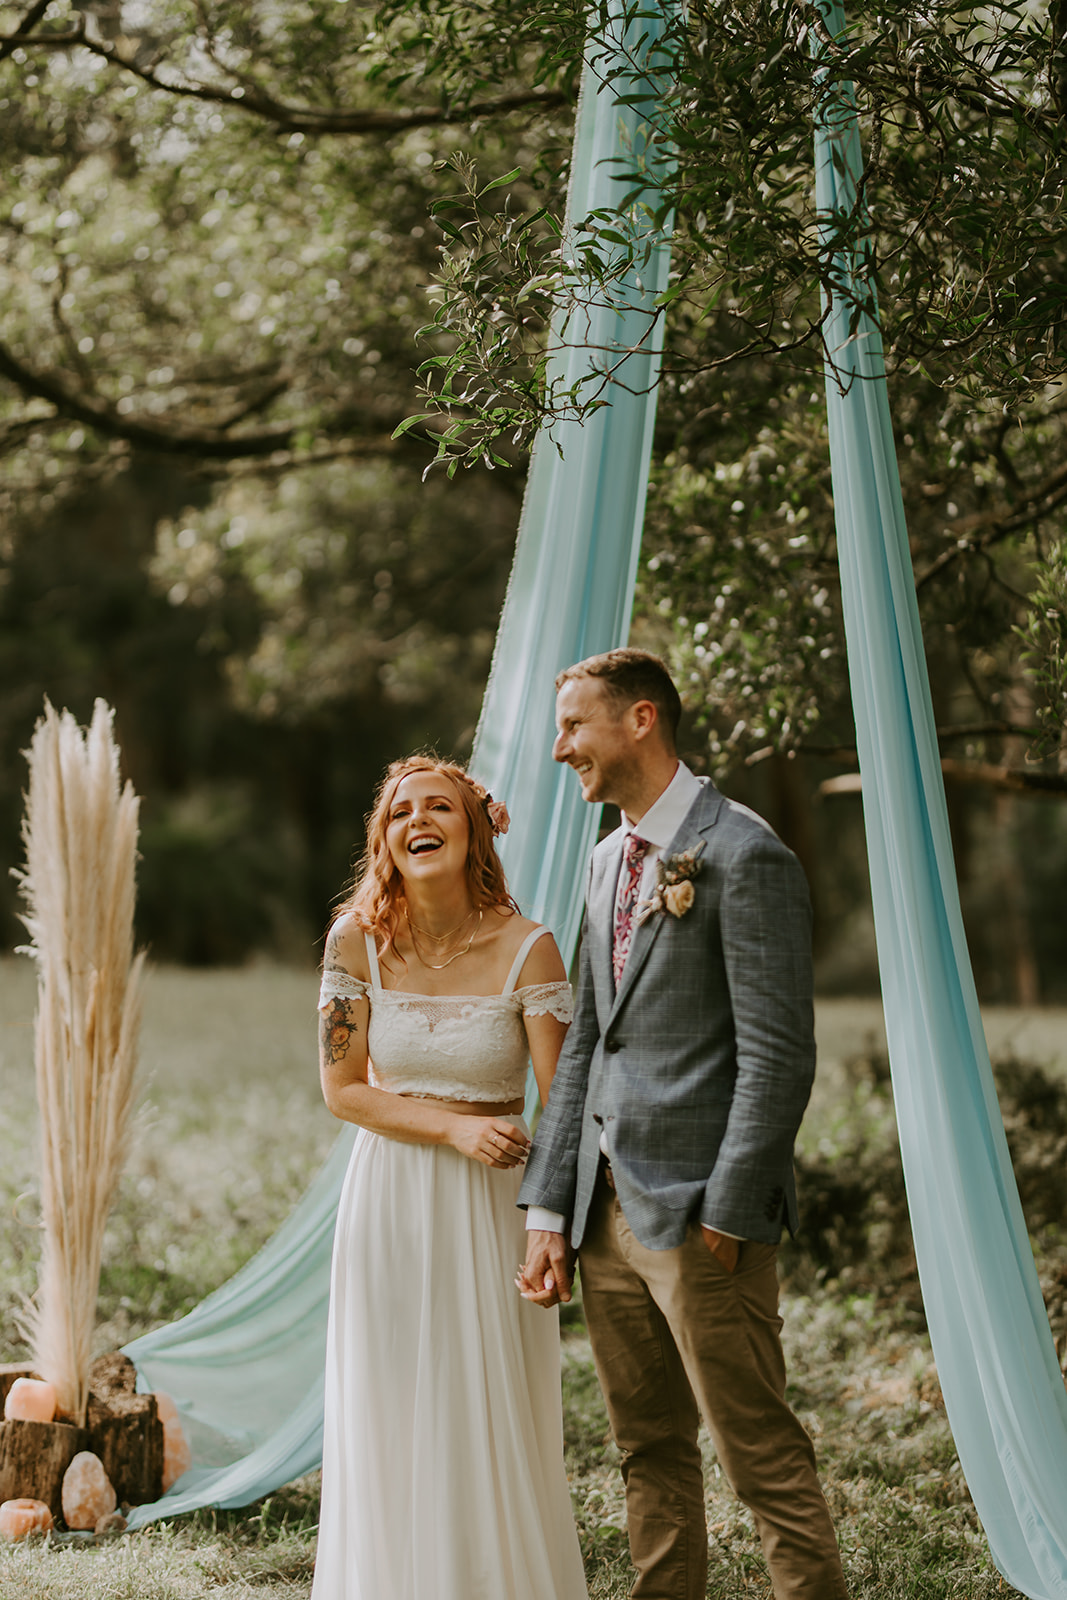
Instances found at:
x=666 y=1147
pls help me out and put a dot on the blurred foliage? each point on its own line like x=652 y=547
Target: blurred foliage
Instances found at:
x=856 y=1230
x=221 y=228
x=253 y=716
x=1044 y=636
x=215 y=245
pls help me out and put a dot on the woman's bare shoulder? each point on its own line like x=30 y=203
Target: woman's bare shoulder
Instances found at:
x=543 y=963
x=346 y=948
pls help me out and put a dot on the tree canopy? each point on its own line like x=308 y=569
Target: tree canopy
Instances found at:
x=230 y=232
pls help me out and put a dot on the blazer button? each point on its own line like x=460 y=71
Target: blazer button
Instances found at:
x=612 y=1045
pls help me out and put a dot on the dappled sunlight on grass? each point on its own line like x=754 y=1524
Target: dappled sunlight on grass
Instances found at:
x=232 y=1127
x=267 y=1552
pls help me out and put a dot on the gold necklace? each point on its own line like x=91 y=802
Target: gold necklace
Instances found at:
x=439 y=966
x=438 y=938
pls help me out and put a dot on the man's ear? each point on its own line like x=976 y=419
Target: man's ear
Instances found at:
x=644 y=718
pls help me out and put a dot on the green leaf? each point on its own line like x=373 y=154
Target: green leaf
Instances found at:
x=409 y=423
x=498 y=183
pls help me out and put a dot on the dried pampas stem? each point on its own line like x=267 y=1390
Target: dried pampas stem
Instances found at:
x=80 y=833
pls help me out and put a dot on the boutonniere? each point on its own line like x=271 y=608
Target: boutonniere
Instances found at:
x=674 y=891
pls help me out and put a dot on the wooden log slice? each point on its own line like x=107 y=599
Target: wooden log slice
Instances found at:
x=126 y=1433
x=33 y=1458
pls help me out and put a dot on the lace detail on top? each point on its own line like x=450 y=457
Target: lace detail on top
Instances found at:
x=454 y=1046
x=341 y=986
x=548 y=1000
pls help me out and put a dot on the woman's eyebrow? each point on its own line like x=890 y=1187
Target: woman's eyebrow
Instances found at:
x=399 y=804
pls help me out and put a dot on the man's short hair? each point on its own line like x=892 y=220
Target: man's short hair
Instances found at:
x=629 y=676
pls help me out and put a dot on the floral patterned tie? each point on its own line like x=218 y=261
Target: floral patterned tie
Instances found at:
x=633 y=861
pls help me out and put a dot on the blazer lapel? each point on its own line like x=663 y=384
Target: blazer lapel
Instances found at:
x=602 y=921
x=644 y=937
x=699 y=820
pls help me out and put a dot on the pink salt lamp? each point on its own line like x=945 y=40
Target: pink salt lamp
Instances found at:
x=30 y=1400
x=87 y=1492
x=20 y=1517
x=177 y=1456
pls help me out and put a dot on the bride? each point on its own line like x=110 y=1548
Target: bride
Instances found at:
x=443 y=1474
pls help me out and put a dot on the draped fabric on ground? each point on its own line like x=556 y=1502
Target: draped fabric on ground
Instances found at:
x=991 y=1339
x=246 y=1367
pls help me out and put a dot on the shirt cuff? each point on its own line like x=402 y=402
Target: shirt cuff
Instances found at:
x=545 y=1221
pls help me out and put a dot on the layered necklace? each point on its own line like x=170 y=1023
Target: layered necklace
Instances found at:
x=442 y=938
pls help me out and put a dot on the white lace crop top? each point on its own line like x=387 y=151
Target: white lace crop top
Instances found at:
x=451 y=1046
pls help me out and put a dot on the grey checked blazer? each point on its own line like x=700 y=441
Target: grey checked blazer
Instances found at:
x=699 y=1068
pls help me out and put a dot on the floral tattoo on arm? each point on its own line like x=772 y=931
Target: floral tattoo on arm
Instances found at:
x=336 y=1029
x=338 y=1022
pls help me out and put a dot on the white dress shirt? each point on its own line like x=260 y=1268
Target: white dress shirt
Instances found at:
x=657 y=827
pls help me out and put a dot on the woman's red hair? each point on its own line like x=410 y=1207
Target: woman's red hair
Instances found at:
x=378 y=895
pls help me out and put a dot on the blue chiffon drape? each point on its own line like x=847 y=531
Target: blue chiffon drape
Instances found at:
x=246 y=1367
x=1003 y=1389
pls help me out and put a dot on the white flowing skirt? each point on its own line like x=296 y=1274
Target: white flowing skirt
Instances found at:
x=442 y=1469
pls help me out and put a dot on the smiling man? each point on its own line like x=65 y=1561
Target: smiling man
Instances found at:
x=665 y=1153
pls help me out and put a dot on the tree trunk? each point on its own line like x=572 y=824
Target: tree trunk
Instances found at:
x=33 y=1458
x=126 y=1433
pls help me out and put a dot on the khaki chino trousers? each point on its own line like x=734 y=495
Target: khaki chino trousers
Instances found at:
x=674 y=1336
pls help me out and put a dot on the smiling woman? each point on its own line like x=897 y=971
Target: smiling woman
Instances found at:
x=422 y=807
x=436 y=993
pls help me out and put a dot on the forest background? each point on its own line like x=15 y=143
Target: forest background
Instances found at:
x=222 y=228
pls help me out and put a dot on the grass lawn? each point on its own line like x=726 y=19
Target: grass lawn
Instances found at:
x=231 y=1129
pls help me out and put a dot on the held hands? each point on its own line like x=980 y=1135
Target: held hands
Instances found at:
x=494 y=1141
x=545 y=1277
x=725 y=1249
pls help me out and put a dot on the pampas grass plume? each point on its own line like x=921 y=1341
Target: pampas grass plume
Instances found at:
x=80 y=834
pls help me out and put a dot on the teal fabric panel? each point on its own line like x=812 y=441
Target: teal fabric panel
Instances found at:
x=246 y=1367
x=1003 y=1389
x=571 y=588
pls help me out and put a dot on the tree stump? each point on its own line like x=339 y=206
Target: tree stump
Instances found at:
x=122 y=1427
x=33 y=1458
x=124 y=1430
x=112 y=1374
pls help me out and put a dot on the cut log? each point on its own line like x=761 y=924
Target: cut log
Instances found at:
x=112 y=1374
x=10 y=1372
x=33 y=1458
x=124 y=1430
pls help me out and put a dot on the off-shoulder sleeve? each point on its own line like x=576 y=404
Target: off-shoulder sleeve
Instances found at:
x=547 y=999
x=341 y=986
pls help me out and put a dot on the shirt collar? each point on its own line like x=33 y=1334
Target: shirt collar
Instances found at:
x=665 y=816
